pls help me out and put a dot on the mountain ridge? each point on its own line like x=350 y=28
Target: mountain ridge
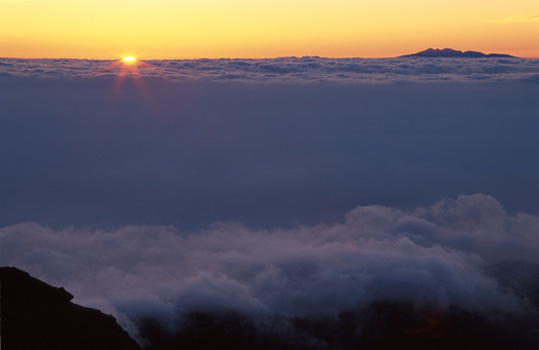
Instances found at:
x=448 y=52
x=36 y=315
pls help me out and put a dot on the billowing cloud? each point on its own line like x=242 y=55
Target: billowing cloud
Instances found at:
x=433 y=255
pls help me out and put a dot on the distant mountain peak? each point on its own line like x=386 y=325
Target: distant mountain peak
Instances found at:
x=447 y=52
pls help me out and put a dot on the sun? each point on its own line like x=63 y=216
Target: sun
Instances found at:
x=129 y=60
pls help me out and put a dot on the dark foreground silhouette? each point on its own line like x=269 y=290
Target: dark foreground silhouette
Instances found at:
x=36 y=315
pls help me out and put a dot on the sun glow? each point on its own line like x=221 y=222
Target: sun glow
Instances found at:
x=128 y=70
x=166 y=29
x=129 y=60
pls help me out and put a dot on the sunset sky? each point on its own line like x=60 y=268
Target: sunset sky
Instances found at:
x=263 y=28
x=312 y=191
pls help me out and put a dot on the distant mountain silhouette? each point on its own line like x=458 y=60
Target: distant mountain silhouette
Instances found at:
x=36 y=315
x=454 y=53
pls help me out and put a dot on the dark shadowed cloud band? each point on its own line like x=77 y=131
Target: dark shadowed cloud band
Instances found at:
x=191 y=153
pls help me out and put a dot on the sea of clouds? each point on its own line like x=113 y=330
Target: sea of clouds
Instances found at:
x=288 y=186
x=290 y=69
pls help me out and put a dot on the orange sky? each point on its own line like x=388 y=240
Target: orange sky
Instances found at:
x=263 y=28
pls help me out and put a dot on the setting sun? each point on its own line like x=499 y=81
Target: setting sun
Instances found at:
x=165 y=29
x=275 y=174
x=129 y=60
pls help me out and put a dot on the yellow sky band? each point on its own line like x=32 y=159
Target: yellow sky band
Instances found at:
x=263 y=28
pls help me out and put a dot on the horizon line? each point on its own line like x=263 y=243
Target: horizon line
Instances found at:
x=243 y=58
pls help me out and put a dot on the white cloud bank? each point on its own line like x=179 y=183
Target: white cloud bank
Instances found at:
x=289 y=69
x=431 y=256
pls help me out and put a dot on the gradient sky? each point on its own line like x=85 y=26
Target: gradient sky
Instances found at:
x=263 y=28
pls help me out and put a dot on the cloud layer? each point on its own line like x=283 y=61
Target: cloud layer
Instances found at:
x=288 y=69
x=433 y=257
x=111 y=184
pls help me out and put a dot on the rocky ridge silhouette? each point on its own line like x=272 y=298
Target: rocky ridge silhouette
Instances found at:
x=35 y=315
